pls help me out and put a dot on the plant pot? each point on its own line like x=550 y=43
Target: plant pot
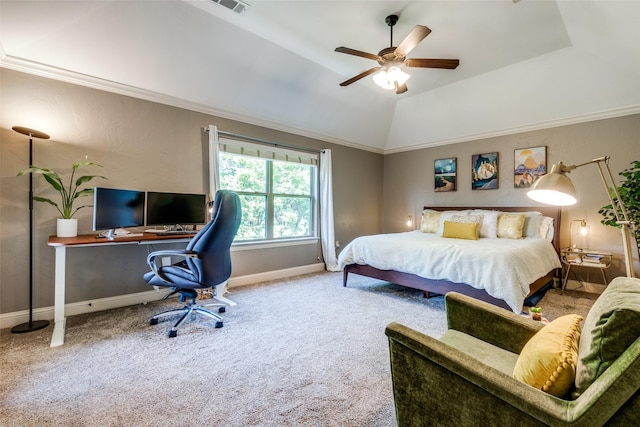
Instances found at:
x=67 y=227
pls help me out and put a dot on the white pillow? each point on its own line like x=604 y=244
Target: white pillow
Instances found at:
x=546 y=229
x=489 y=226
x=532 y=224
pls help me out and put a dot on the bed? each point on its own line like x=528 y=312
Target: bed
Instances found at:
x=502 y=271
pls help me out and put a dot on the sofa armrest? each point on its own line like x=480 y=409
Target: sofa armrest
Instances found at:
x=489 y=323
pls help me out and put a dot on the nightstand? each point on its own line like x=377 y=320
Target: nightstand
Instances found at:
x=584 y=258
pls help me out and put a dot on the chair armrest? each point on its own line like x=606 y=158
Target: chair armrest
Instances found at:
x=489 y=323
x=153 y=264
x=432 y=379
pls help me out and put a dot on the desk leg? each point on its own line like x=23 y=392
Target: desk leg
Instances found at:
x=58 y=311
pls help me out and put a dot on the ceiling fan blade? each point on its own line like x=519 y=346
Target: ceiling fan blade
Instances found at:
x=432 y=63
x=401 y=89
x=359 y=76
x=416 y=35
x=360 y=53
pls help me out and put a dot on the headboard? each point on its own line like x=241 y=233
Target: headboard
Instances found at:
x=550 y=211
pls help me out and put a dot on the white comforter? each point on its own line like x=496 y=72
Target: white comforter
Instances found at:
x=504 y=268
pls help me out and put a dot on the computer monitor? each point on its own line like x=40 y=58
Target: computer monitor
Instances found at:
x=117 y=208
x=175 y=210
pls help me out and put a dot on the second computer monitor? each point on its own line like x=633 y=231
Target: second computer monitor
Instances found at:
x=175 y=209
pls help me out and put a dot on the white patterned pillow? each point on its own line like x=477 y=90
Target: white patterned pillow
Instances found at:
x=448 y=216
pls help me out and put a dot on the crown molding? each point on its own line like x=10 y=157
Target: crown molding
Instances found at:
x=583 y=118
x=43 y=70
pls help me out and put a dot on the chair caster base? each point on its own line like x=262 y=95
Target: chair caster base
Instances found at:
x=172 y=334
x=153 y=321
x=219 y=325
x=222 y=309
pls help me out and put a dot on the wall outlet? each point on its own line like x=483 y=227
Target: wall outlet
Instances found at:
x=166 y=260
x=337 y=243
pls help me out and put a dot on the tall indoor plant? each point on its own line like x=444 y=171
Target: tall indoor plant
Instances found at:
x=67 y=226
x=629 y=191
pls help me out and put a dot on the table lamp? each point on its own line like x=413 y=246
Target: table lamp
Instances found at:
x=555 y=188
x=582 y=230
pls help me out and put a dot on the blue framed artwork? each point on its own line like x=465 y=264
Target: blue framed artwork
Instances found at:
x=445 y=174
x=484 y=171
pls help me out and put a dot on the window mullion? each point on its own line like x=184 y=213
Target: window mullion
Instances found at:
x=270 y=201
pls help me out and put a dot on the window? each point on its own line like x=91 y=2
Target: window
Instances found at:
x=277 y=189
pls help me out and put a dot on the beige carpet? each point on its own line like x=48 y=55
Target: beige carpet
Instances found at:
x=298 y=352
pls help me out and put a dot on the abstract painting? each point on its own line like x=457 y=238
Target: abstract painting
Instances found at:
x=528 y=164
x=445 y=174
x=484 y=171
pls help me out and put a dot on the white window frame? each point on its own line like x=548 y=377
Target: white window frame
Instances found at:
x=274 y=151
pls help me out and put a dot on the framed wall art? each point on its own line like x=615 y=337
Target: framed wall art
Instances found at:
x=484 y=171
x=445 y=174
x=528 y=164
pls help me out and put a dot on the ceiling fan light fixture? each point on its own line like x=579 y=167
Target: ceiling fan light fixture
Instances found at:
x=389 y=79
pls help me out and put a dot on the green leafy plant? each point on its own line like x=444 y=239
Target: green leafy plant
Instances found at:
x=629 y=192
x=68 y=194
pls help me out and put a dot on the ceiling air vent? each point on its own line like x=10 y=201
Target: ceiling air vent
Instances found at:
x=237 y=6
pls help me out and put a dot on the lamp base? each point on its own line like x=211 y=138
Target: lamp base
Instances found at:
x=30 y=326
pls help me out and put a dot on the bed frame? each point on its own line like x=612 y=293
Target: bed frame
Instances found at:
x=432 y=287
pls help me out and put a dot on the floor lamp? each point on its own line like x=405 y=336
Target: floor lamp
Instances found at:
x=555 y=188
x=31 y=325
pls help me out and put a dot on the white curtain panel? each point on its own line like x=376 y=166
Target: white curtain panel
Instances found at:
x=214 y=184
x=214 y=150
x=327 y=233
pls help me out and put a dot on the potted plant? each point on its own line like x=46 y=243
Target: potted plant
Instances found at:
x=629 y=192
x=67 y=226
x=536 y=313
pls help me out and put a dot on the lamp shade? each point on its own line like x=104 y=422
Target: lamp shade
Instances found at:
x=554 y=188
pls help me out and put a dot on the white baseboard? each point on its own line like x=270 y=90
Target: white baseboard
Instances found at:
x=9 y=320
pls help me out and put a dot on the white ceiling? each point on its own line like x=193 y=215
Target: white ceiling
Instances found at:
x=524 y=64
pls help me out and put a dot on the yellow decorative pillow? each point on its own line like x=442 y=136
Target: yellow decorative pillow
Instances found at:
x=461 y=230
x=510 y=225
x=548 y=360
x=430 y=221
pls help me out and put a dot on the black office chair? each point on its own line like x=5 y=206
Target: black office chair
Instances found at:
x=206 y=264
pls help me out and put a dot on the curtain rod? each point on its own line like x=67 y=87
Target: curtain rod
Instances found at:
x=264 y=141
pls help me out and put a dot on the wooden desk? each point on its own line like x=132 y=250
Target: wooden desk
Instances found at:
x=62 y=243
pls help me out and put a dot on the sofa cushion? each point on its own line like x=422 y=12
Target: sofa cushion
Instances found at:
x=612 y=325
x=548 y=360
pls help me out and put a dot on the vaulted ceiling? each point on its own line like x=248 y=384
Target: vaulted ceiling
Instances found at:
x=524 y=64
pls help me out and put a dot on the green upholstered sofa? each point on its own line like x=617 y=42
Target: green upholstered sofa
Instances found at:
x=465 y=378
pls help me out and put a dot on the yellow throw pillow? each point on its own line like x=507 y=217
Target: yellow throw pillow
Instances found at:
x=548 y=360
x=430 y=221
x=461 y=230
x=510 y=225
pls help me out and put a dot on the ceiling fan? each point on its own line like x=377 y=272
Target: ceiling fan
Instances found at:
x=390 y=76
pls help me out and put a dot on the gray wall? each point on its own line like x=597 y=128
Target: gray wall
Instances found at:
x=142 y=145
x=409 y=180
